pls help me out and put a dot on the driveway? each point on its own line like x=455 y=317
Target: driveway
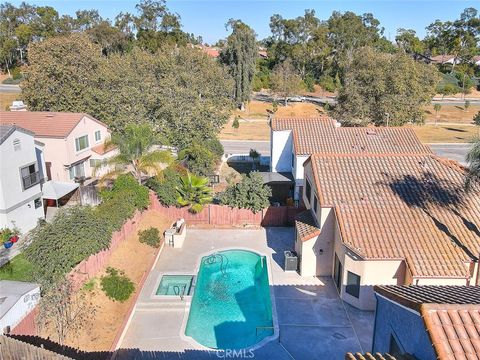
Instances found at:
x=313 y=322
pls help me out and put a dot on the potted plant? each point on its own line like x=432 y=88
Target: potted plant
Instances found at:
x=5 y=235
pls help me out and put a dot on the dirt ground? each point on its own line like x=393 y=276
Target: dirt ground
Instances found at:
x=446 y=133
x=6 y=100
x=452 y=114
x=134 y=258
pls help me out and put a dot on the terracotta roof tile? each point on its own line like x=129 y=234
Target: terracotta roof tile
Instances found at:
x=306 y=226
x=402 y=207
x=101 y=149
x=45 y=124
x=321 y=135
x=377 y=356
x=453 y=329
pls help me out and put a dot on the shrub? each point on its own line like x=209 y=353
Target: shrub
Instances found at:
x=165 y=188
x=327 y=83
x=127 y=186
x=116 y=285
x=216 y=147
x=476 y=119
x=251 y=193
x=309 y=83
x=150 y=236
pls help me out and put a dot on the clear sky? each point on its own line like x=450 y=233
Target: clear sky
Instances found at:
x=207 y=18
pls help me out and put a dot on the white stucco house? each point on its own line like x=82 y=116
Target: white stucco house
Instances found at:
x=293 y=140
x=387 y=219
x=17 y=300
x=73 y=141
x=22 y=171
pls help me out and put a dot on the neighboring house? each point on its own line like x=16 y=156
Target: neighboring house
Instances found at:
x=445 y=59
x=387 y=219
x=73 y=141
x=22 y=170
x=17 y=300
x=428 y=322
x=293 y=140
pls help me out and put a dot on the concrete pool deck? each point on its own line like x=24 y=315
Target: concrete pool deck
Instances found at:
x=313 y=322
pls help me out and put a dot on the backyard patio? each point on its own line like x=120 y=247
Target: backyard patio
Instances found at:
x=313 y=323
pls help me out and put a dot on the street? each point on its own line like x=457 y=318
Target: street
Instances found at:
x=452 y=151
x=11 y=89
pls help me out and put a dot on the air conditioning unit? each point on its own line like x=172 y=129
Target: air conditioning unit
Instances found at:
x=291 y=261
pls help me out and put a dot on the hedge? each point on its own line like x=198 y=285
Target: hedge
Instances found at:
x=78 y=232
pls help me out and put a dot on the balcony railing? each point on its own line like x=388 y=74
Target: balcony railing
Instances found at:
x=31 y=180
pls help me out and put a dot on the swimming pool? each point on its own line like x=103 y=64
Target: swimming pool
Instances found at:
x=231 y=306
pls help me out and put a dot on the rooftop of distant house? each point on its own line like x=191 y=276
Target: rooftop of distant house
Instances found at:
x=12 y=291
x=403 y=207
x=45 y=124
x=7 y=130
x=451 y=315
x=324 y=135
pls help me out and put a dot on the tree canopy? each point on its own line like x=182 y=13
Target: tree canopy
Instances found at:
x=382 y=87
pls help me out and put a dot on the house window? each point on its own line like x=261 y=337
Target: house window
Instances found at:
x=315 y=204
x=95 y=162
x=353 y=284
x=30 y=176
x=308 y=190
x=38 y=203
x=16 y=145
x=81 y=143
x=98 y=136
x=77 y=171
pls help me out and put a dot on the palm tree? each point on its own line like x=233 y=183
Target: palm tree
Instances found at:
x=194 y=192
x=135 y=154
x=473 y=160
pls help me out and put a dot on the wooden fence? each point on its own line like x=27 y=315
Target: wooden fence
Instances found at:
x=221 y=215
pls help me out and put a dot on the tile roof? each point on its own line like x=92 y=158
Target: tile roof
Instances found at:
x=454 y=330
x=410 y=208
x=321 y=135
x=413 y=296
x=306 y=226
x=45 y=124
x=101 y=149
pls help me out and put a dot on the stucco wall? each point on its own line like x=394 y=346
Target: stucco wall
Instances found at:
x=62 y=152
x=16 y=203
x=281 y=151
x=405 y=325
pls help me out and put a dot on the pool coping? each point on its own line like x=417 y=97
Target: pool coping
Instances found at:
x=154 y=295
x=261 y=343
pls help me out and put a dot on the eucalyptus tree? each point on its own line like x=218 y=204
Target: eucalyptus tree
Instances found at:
x=240 y=55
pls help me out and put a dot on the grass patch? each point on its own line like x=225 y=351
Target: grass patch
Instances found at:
x=18 y=268
x=6 y=100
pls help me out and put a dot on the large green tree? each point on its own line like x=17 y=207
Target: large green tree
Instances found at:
x=240 y=56
x=381 y=88
x=182 y=93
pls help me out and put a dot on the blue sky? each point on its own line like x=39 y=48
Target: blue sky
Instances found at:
x=207 y=18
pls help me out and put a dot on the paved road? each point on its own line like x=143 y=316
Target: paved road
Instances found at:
x=12 y=89
x=244 y=146
x=452 y=151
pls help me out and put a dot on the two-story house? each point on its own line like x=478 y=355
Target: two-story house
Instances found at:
x=22 y=169
x=73 y=141
x=387 y=219
x=293 y=140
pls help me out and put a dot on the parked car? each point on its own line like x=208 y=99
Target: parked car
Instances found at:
x=296 y=98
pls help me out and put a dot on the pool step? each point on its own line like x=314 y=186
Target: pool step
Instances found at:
x=162 y=305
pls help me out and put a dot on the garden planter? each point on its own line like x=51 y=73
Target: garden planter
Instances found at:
x=14 y=239
x=8 y=244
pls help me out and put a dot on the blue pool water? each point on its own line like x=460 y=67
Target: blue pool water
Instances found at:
x=231 y=306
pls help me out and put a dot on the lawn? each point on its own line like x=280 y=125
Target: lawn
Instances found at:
x=446 y=133
x=19 y=268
